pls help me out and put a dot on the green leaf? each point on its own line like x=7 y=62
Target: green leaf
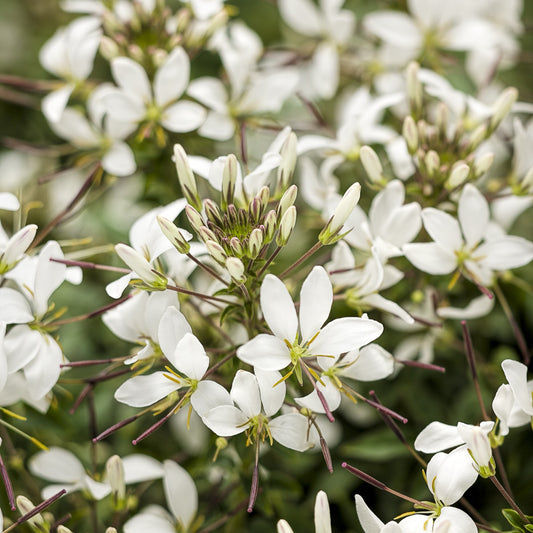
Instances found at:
x=514 y=519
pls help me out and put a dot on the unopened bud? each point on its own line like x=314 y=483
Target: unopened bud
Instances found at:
x=186 y=177
x=410 y=134
x=212 y=212
x=414 y=87
x=195 y=219
x=109 y=530
x=478 y=445
x=457 y=176
x=236 y=246
x=255 y=243
x=25 y=506
x=175 y=235
x=441 y=119
x=235 y=268
x=62 y=529
x=432 y=162
x=502 y=106
x=206 y=234
x=270 y=223
x=109 y=48
x=229 y=179
x=115 y=477
x=483 y=163
x=216 y=251
x=372 y=164
x=288 y=199
x=341 y=214
x=141 y=267
x=16 y=246
x=477 y=137
x=286 y=225
x=288 y=161
x=527 y=182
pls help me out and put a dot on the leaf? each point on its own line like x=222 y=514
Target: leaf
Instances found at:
x=514 y=519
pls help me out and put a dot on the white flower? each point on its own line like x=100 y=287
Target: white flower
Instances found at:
x=258 y=397
x=135 y=100
x=322 y=516
x=12 y=250
x=69 y=54
x=182 y=499
x=516 y=374
x=296 y=338
x=450 y=520
x=460 y=244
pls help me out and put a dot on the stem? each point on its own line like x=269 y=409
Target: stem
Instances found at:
x=307 y=254
x=471 y=357
x=208 y=269
x=60 y=216
x=85 y=264
x=522 y=345
x=269 y=260
x=509 y=499
x=501 y=469
x=198 y=294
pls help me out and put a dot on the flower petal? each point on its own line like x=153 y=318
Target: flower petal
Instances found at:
x=443 y=228
x=183 y=116
x=436 y=437
x=316 y=298
x=368 y=520
x=271 y=389
x=131 y=78
x=141 y=391
x=190 y=357
x=265 y=352
x=430 y=257
x=181 y=493
x=15 y=309
x=371 y=363
x=172 y=77
x=245 y=393
x=290 y=431
x=504 y=253
x=225 y=420
x=516 y=374
x=278 y=309
x=57 y=464
x=209 y=395
x=473 y=212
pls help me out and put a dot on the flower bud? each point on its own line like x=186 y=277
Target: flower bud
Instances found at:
x=271 y=224
x=195 y=219
x=141 y=267
x=288 y=199
x=62 y=529
x=414 y=87
x=410 y=134
x=108 y=530
x=478 y=445
x=229 y=179
x=109 y=48
x=216 y=251
x=16 y=246
x=25 y=506
x=483 y=163
x=206 y=234
x=235 y=268
x=432 y=162
x=286 y=225
x=502 y=106
x=212 y=212
x=259 y=203
x=372 y=164
x=441 y=119
x=340 y=215
x=175 y=235
x=457 y=176
x=236 y=246
x=186 y=177
x=477 y=137
x=255 y=243
x=288 y=161
x=115 y=477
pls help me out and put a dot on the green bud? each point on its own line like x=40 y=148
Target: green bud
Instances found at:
x=195 y=219
x=288 y=199
x=236 y=246
x=271 y=224
x=414 y=87
x=229 y=179
x=502 y=106
x=458 y=175
x=477 y=137
x=372 y=164
x=141 y=267
x=483 y=163
x=109 y=48
x=288 y=161
x=286 y=225
x=255 y=243
x=235 y=267
x=441 y=119
x=174 y=235
x=342 y=212
x=206 y=234
x=213 y=212
x=115 y=477
x=432 y=162
x=186 y=177
x=410 y=134
x=216 y=251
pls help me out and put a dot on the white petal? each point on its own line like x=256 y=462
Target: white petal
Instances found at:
x=181 y=493
x=21 y=345
x=97 y=489
x=209 y=92
x=143 y=522
x=183 y=116
x=271 y=389
x=442 y=228
x=290 y=431
x=345 y=334
x=42 y=372
x=302 y=16
x=141 y=391
x=395 y=28
x=473 y=212
x=172 y=77
x=124 y=107
x=516 y=374
x=225 y=420
x=49 y=276
x=459 y=521
x=57 y=464
x=139 y=467
x=8 y=201
x=478 y=307
x=430 y=257
x=283 y=527
x=209 y=395
x=436 y=437
x=245 y=393
x=119 y=160
x=372 y=363
x=265 y=352
x=190 y=357
x=15 y=309
x=377 y=301
x=131 y=78
x=330 y=393
x=504 y=253
x=322 y=517
x=217 y=126
x=325 y=70
x=316 y=298
x=368 y=520
x=117 y=287
x=54 y=103
x=278 y=309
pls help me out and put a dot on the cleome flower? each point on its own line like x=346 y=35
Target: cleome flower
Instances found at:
x=297 y=338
